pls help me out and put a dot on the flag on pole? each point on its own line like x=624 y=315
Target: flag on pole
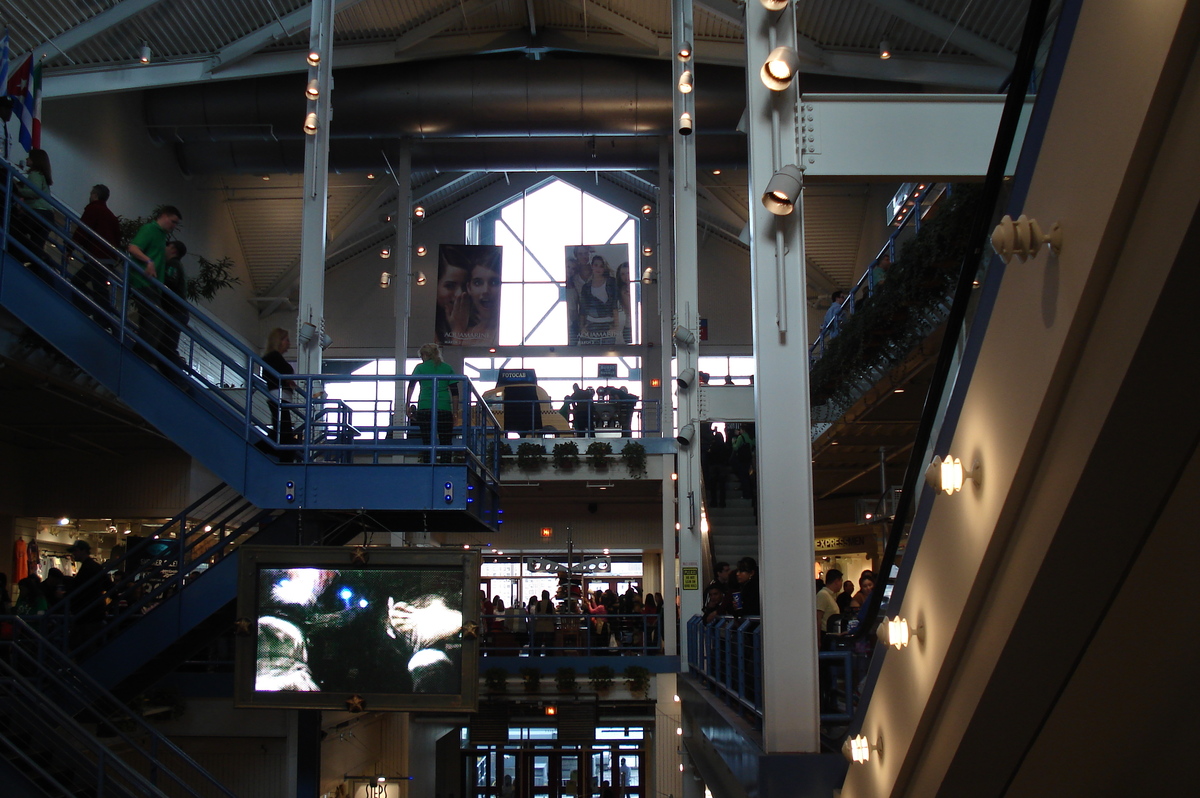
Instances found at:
x=4 y=59
x=25 y=86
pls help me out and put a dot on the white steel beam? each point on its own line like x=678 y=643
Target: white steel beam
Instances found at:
x=786 y=544
x=889 y=136
x=449 y=16
x=281 y=28
x=105 y=20
x=639 y=33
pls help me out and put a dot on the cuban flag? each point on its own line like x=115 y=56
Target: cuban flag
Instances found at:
x=4 y=59
x=25 y=86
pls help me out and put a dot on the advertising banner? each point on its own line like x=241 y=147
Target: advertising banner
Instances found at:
x=597 y=295
x=468 y=295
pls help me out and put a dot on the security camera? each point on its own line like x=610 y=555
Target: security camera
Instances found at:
x=686 y=435
x=686 y=379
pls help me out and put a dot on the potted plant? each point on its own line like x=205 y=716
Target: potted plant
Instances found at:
x=637 y=679
x=531 y=677
x=598 y=453
x=564 y=678
x=530 y=456
x=601 y=678
x=496 y=680
x=566 y=455
x=633 y=455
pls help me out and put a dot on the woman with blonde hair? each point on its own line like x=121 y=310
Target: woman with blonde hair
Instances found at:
x=433 y=369
x=29 y=231
x=279 y=341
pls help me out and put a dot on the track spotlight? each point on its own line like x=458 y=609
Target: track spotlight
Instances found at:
x=775 y=5
x=684 y=336
x=685 y=82
x=783 y=189
x=647 y=250
x=685 y=124
x=422 y=251
x=685 y=51
x=310 y=123
x=648 y=276
x=885 y=50
x=385 y=253
x=325 y=341
x=686 y=435
x=385 y=279
x=419 y=211
x=313 y=91
x=314 y=58
x=686 y=378
x=421 y=278
x=144 y=53
x=779 y=68
x=647 y=209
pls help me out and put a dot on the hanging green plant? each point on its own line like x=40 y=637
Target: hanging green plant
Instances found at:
x=496 y=680
x=601 y=678
x=598 y=454
x=531 y=677
x=566 y=455
x=637 y=679
x=530 y=456
x=633 y=455
x=564 y=679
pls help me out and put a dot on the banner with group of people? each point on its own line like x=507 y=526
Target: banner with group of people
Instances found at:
x=597 y=295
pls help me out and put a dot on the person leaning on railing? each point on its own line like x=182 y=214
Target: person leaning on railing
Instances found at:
x=432 y=365
x=27 y=230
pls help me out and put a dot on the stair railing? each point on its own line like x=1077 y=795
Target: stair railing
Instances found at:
x=42 y=679
x=113 y=290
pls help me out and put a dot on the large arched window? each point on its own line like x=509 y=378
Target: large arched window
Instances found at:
x=537 y=229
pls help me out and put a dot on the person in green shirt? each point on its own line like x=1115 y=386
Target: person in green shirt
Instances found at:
x=447 y=398
x=148 y=248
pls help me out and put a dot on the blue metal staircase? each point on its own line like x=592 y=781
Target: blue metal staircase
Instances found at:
x=211 y=396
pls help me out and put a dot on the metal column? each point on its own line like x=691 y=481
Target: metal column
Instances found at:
x=687 y=293
x=310 y=323
x=402 y=257
x=781 y=402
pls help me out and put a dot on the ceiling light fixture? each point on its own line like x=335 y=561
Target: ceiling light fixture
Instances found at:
x=419 y=211
x=647 y=210
x=313 y=91
x=421 y=278
x=422 y=251
x=780 y=68
x=685 y=124
x=144 y=53
x=685 y=82
x=685 y=51
x=310 y=123
x=314 y=58
x=885 y=49
x=783 y=189
x=385 y=253
x=775 y=5
x=385 y=279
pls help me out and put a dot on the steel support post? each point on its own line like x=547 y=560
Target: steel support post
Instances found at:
x=403 y=281
x=687 y=298
x=781 y=401
x=310 y=322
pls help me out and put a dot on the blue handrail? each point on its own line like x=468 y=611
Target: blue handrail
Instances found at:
x=205 y=355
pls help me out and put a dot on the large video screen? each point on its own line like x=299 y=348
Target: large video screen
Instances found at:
x=391 y=628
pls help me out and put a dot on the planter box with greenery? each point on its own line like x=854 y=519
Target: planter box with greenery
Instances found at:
x=633 y=455
x=601 y=678
x=530 y=456
x=531 y=677
x=598 y=454
x=566 y=455
x=496 y=680
x=564 y=679
x=637 y=679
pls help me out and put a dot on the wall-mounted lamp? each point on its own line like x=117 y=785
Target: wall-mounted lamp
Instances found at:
x=421 y=278
x=422 y=251
x=896 y=632
x=684 y=336
x=687 y=434
x=1024 y=238
x=885 y=50
x=858 y=749
x=685 y=124
x=385 y=279
x=779 y=68
x=647 y=209
x=313 y=91
x=685 y=82
x=684 y=52
x=314 y=58
x=647 y=250
x=385 y=253
x=783 y=189
x=144 y=53
x=648 y=276
x=419 y=211
x=948 y=474
x=686 y=378
x=310 y=123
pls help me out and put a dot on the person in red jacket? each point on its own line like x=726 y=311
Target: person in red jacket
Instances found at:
x=100 y=228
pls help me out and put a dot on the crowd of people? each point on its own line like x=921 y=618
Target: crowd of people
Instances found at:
x=80 y=594
x=599 y=620
x=720 y=456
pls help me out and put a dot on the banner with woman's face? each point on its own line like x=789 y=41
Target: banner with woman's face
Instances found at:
x=468 y=295
x=597 y=292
